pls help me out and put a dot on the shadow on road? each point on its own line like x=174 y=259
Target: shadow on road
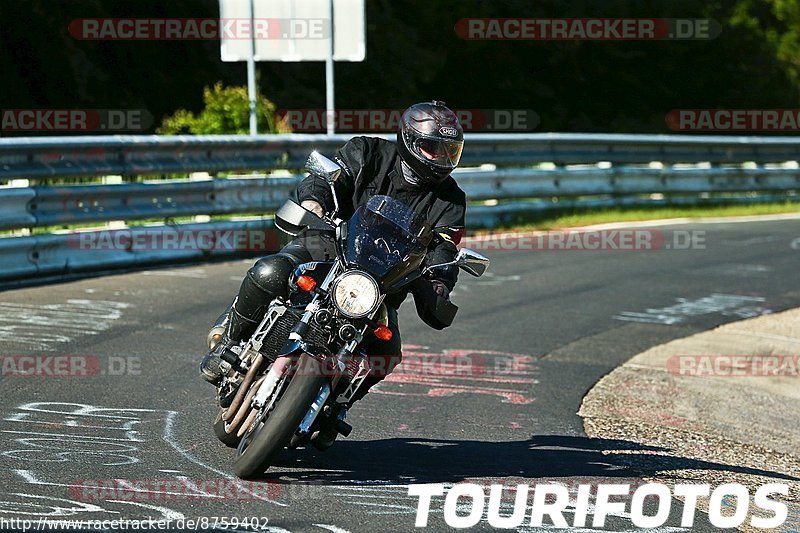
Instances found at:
x=408 y=460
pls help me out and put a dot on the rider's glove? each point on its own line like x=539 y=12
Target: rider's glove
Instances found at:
x=440 y=288
x=314 y=207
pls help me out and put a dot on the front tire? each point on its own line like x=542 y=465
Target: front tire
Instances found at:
x=257 y=450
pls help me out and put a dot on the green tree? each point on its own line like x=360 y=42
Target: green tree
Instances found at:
x=776 y=23
x=226 y=111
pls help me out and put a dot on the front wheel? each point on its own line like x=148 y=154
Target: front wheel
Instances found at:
x=261 y=444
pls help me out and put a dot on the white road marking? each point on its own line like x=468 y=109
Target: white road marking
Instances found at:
x=376 y=498
x=642 y=224
x=56 y=510
x=741 y=269
x=44 y=327
x=329 y=527
x=68 y=436
x=166 y=513
x=169 y=439
x=725 y=304
x=194 y=273
x=750 y=241
x=698 y=220
x=489 y=279
x=79 y=448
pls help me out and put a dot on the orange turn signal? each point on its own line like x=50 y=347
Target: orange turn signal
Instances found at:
x=306 y=283
x=383 y=333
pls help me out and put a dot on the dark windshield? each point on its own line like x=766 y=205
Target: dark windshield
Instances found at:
x=383 y=236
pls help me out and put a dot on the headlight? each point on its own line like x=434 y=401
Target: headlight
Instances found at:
x=355 y=294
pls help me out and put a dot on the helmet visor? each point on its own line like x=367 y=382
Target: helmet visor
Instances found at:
x=439 y=152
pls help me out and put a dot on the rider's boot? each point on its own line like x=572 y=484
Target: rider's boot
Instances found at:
x=266 y=280
x=236 y=327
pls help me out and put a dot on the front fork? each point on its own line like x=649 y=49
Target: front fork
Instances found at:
x=339 y=371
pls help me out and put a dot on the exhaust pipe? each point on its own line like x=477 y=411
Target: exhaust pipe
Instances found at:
x=214 y=336
x=216 y=331
x=230 y=412
x=244 y=409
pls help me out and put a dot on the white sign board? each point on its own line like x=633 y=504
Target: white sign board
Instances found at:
x=294 y=30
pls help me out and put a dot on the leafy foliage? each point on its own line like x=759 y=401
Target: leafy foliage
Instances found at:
x=776 y=23
x=226 y=111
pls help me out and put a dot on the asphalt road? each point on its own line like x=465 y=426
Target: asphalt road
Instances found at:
x=490 y=400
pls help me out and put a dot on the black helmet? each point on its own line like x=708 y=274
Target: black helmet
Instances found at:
x=429 y=140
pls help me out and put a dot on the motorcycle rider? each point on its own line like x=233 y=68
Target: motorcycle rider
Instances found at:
x=414 y=170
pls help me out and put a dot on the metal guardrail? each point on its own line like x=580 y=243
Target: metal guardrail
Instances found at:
x=57 y=255
x=504 y=171
x=79 y=204
x=149 y=154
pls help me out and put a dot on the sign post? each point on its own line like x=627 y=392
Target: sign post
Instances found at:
x=292 y=30
x=330 y=119
x=252 y=94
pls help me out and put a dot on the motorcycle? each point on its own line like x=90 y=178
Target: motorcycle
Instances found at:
x=305 y=360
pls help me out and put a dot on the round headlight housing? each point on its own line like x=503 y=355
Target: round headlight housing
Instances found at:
x=355 y=294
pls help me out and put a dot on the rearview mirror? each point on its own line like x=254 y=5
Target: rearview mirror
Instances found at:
x=468 y=260
x=320 y=166
x=293 y=218
x=472 y=262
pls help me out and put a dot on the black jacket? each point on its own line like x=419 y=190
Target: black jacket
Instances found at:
x=372 y=166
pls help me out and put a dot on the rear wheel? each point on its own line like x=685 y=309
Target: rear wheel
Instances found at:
x=261 y=444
